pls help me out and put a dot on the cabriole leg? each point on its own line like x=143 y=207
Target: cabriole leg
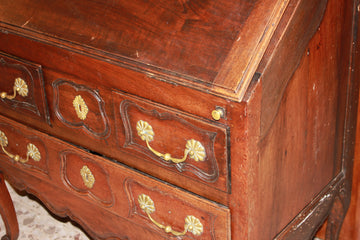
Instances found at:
x=7 y=212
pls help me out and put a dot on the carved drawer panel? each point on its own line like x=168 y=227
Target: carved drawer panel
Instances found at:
x=22 y=89
x=175 y=215
x=80 y=107
x=23 y=149
x=86 y=177
x=84 y=183
x=174 y=140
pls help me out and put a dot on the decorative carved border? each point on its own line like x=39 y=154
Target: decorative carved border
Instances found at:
x=135 y=211
x=33 y=73
x=39 y=143
x=81 y=124
x=88 y=192
x=64 y=211
x=184 y=166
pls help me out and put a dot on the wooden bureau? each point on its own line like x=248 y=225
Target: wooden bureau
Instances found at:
x=196 y=119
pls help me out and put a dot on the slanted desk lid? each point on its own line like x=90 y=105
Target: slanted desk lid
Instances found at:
x=213 y=45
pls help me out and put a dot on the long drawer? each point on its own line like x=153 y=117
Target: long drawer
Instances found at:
x=184 y=149
x=43 y=164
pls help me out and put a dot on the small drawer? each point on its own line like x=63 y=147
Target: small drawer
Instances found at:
x=22 y=93
x=20 y=147
x=178 y=142
x=86 y=177
x=80 y=107
x=175 y=214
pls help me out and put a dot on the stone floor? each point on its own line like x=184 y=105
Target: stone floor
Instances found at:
x=37 y=224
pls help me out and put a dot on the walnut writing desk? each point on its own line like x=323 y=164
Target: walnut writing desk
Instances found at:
x=181 y=119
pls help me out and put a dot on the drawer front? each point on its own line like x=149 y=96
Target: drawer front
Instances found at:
x=80 y=107
x=23 y=149
x=22 y=93
x=178 y=142
x=160 y=209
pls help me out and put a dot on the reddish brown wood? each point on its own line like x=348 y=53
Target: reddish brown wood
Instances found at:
x=278 y=163
x=287 y=44
x=7 y=212
x=160 y=31
x=351 y=226
x=114 y=195
x=307 y=132
x=33 y=103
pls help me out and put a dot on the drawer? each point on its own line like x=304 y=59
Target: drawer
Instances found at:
x=79 y=106
x=158 y=207
x=177 y=142
x=22 y=93
x=23 y=149
x=162 y=210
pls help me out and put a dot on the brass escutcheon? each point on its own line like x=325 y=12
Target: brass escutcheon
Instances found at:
x=87 y=176
x=80 y=107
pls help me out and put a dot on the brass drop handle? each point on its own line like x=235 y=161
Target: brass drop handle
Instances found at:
x=192 y=224
x=20 y=87
x=194 y=149
x=32 y=151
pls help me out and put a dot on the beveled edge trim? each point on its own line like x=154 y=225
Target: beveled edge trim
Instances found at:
x=308 y=221
x=61 y=211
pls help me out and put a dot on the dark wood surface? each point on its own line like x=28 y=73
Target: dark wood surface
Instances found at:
x=226 y=39
x=312 y=106
x=351 y=226
x=278 y=162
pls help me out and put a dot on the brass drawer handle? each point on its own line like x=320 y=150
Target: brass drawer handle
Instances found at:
x=80 y=107
x=193 y=148
x=32 y=151
x=192 y=224
x=87 y=177
x=20 y=87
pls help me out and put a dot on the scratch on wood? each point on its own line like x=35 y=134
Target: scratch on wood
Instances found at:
x=26 y=23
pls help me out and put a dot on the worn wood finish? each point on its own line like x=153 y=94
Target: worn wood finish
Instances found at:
x=309 y=107
x=7 y=212
x=209 y=30
x=275 y=165
x=115 y=191
x=350 y=229
x=30 y=98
